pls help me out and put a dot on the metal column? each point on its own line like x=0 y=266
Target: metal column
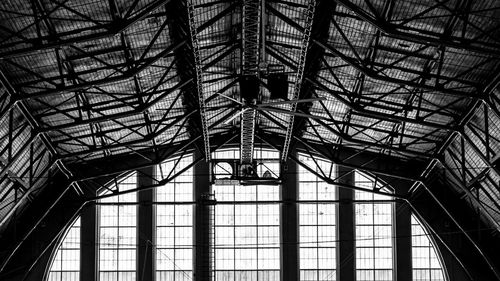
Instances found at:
x=402 y=242
x=289 y=224
x=88 y=240
x=203 y=264
x=345 y=231
x=145 y=226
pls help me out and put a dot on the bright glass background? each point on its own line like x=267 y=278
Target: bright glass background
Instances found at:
x=247 y=228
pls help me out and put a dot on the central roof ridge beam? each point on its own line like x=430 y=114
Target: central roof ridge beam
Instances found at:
x=306 y=31
x=193 y=30
x=251 y=37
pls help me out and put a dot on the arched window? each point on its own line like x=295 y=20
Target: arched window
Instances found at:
x=317 y=222
x=426 y=264
x=66 y=261
x=174 y=221
x=374 y=231
x=246 y=226
x=118 y=232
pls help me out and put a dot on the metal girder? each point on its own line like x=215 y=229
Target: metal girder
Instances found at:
x=199 y=76
x=27 y=156
x=485 y=91
x=376 y=144
x=468 y=115
x=158 y=183
x=466 y=143
x=368 y=161
x=421 y=35
x=31 y=121
x=33 y=174
x=424 y=73
x=99 y=168
x=148 y=138
x=366 y=144
x=465 y=232
x=251 y=37
x=251 y=33
x=247 y=135
x=129 y=74
x=100 y=30
x=309 y=16
x=217 y=17
x=463 y=161
x=105 y=117
x=463 y=184
x=357 y=64
x=378 y=115
x=338 y=182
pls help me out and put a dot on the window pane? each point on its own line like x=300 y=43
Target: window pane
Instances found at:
x=374 y=232
x=425 y=262
x=174 y=222
x=246 y=233
x=118 y=233
x=66 y=263
x=317 y=231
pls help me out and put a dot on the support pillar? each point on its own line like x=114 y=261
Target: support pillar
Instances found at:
x=345 y=231
x=202 y=262
x=88 y=238
x=289 y=224
x=145 y=226
x=402 y=242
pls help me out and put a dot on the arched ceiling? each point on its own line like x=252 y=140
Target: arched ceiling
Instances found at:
x=410 y=84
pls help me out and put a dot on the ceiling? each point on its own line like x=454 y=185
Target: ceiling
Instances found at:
x=407 y=80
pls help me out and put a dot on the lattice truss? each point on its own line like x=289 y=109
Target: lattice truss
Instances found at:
x=85 y=80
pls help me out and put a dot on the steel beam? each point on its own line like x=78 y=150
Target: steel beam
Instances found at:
x=139 y=110
x=420 y=35
x=352 y=158
x=374 y=75
x=199 y=76
x=35 y=128
x=129 y=74
x=251 y=38
x=306 y=32
x=76 y=36
x=491 y=264
x=147 y=138
x=379 y=115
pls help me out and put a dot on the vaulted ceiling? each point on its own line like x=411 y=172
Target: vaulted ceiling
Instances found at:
x=411 y=82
